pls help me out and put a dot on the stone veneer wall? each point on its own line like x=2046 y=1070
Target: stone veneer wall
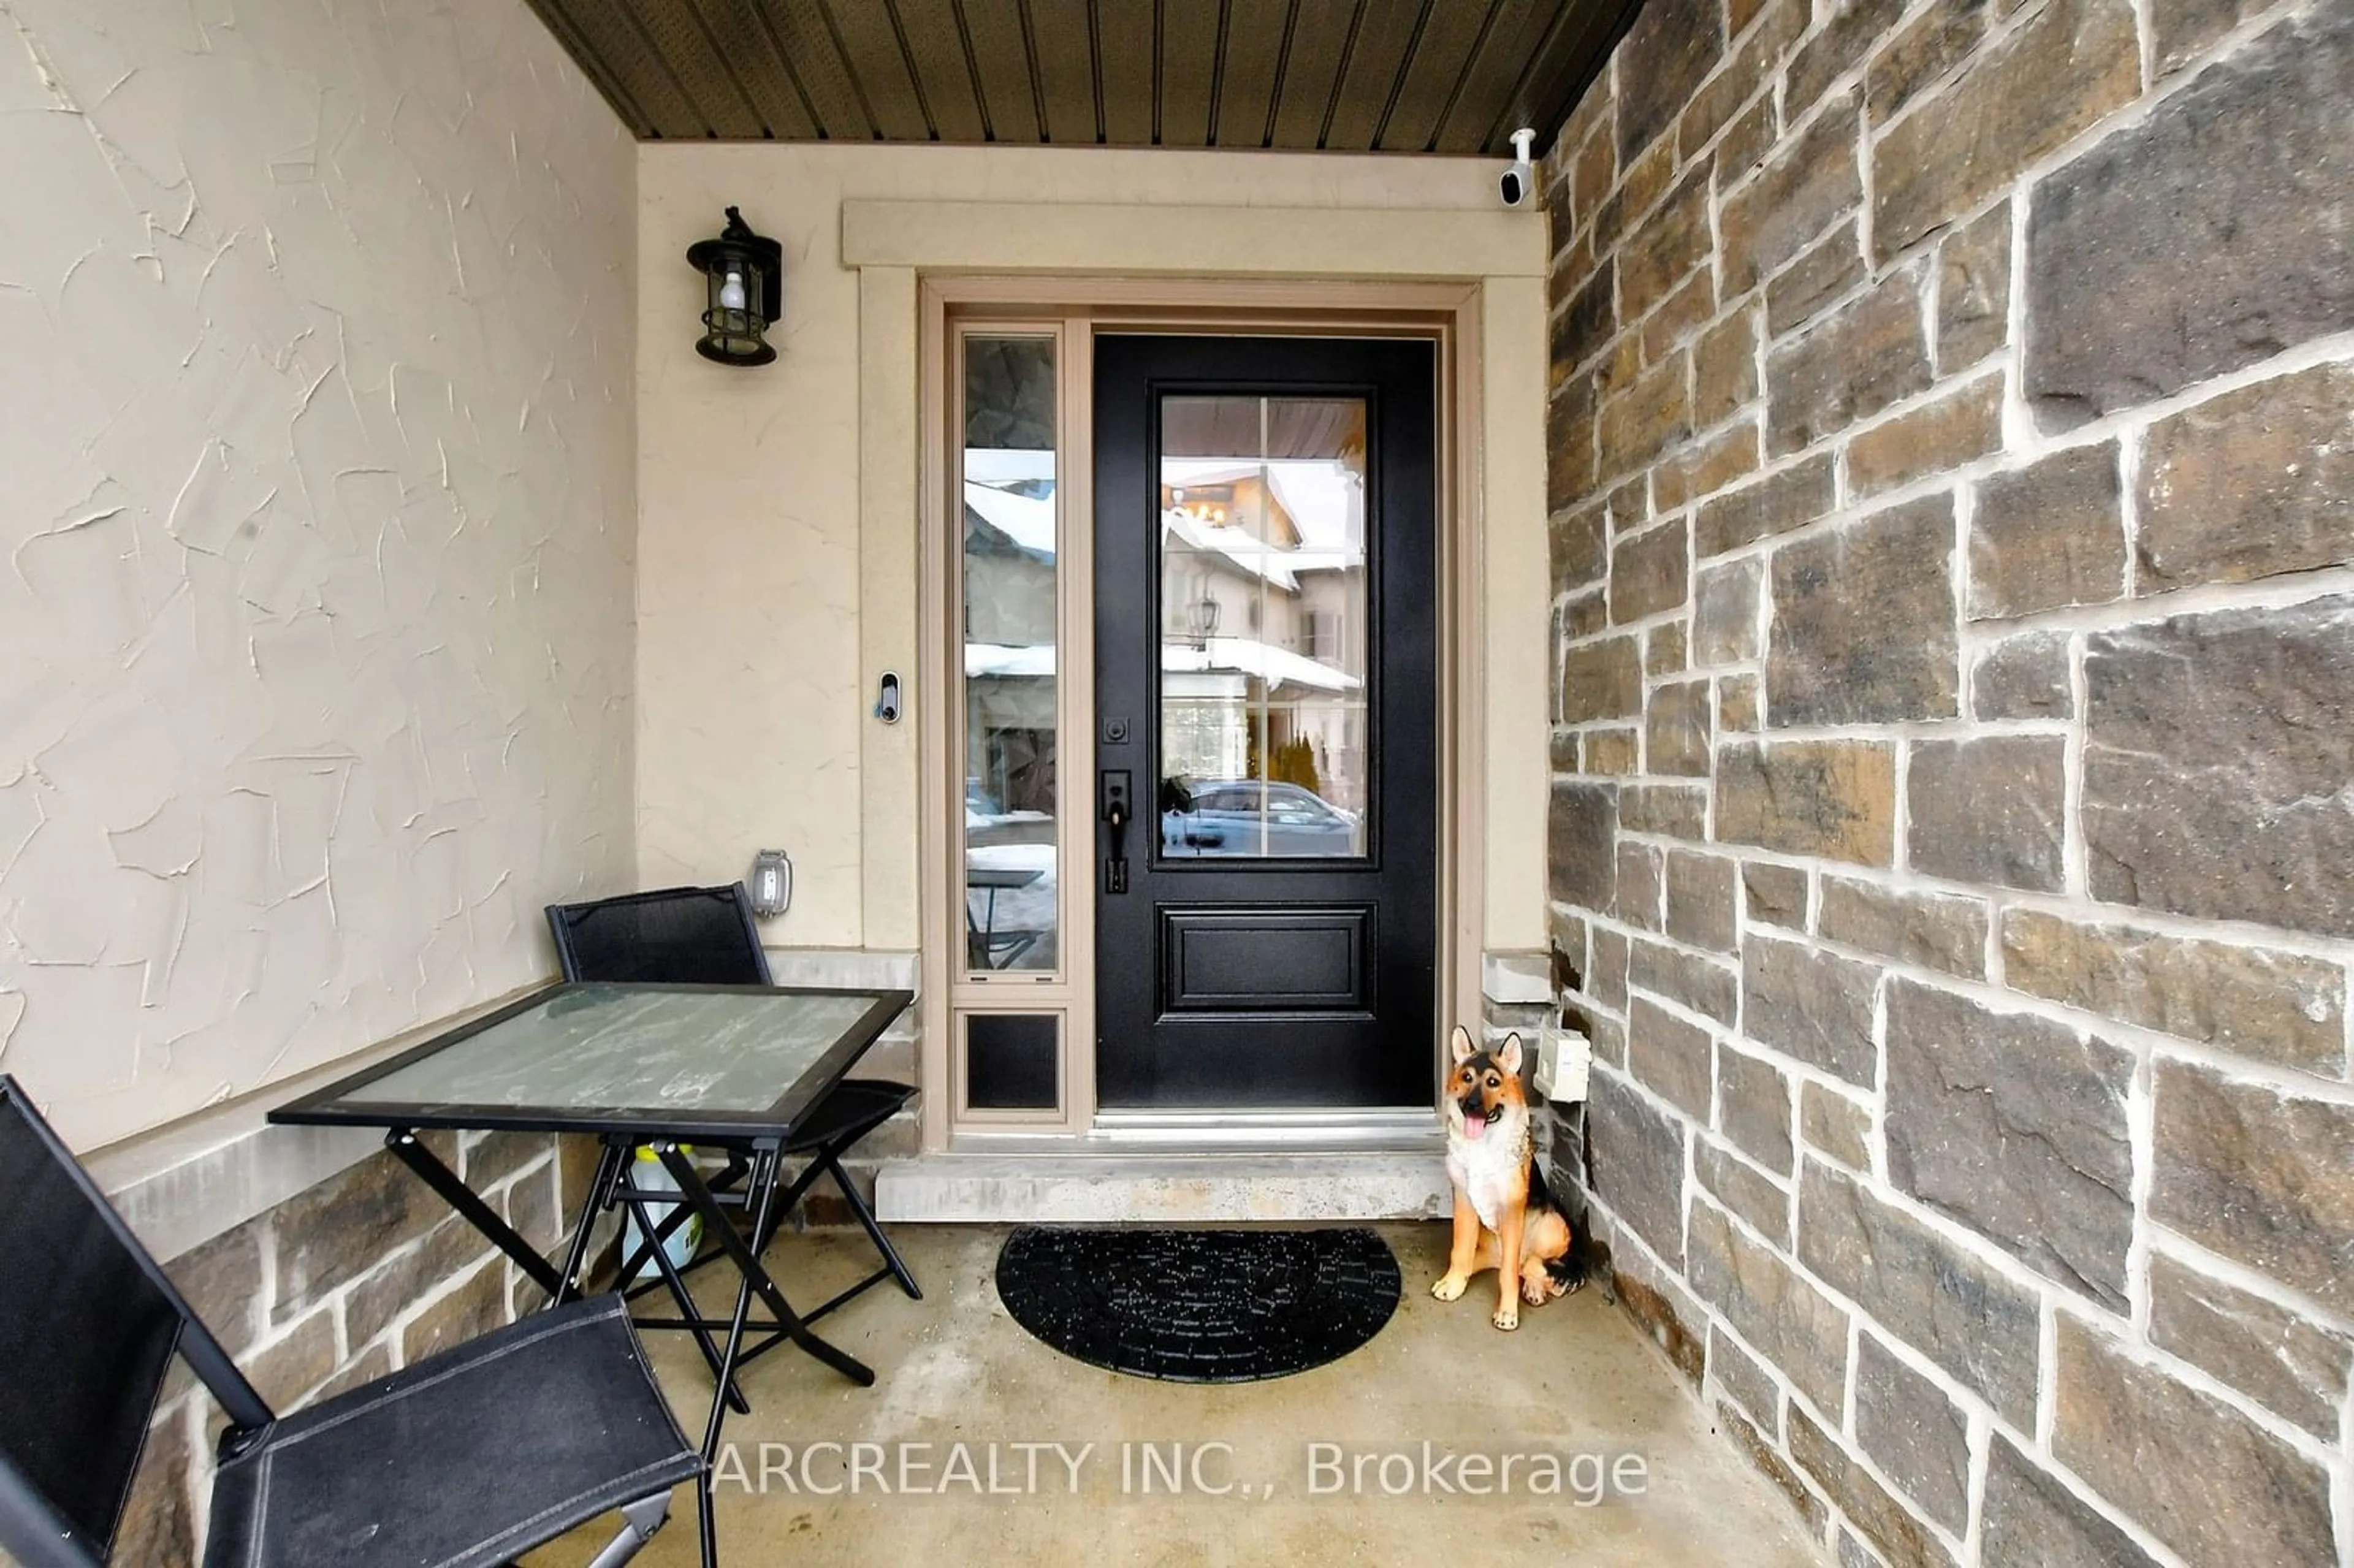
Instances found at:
x=358 y=1276
x=1952 y=425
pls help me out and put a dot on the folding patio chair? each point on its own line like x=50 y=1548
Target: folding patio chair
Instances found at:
x=705 y=936
x=464 y=1460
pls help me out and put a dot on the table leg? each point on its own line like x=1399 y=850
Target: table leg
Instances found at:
x=723 y=1368
x=478 y=1214
x=757 y=1279
x=576 y=1259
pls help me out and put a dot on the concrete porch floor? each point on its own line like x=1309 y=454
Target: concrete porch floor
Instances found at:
x=1576 y=1379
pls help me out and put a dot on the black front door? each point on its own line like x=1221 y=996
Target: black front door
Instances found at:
x=1266 y=661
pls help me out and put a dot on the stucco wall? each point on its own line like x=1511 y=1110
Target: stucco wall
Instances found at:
x=315 y=641
x=756 y=715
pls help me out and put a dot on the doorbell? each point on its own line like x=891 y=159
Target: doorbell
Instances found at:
x=1520 y=181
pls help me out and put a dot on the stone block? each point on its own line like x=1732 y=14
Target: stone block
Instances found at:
x=1893 y=1529
x=1601 y=679
x=1700 y=900
x=1577 y=541
x=2200 y=1476
x=1739 y=705
x=1607 y=982
x=1744 y=1379
x=1906 y=1425
x=1641 y=886
x=2024 y=677
x=2273 y=1006
x=2290 y=1363
x=1867 y=355
x=1848 y=32
x=1974 y=290
x=1936 y=437
x=298 y=1359
x=1635 y=425
x=1667 y=54
x=1706 y=467
x=1826 y=270
x=1667 y=649
x=1937 y=930
x=1650 y=573
x=1725 y=370
x=1833 y=1125
x=1638 y=1165
x=476 y=1304
x=1777 y=504
x=1775 y=894
x=2217 y=749
x=380 y=1297
x=2251 y=485
x=1808 y=185
x=1670 y=1056
x=2187 y=246
x=1836 y=799
x=1794 y=1326
x=1676 y=729
x=2033 y=1520
x=1754 y=1106
x=2049 y=536
x=1581 y=836
x=1725 y=613
x=158 y=1524
x=1614 y=752
x=2069 y=65
x=330 y=1235
x=1570 y=456
x=1863 y=625
x=1811 y=1005
x=1666 y=248
x=1991 y=810
x=2259 y=1175
x=1929 y=48
x=1741 y=1189
x=2015 y=1125
x=222 y=1279
x=1768 y=1459
x=1583 y=326
x=1705 y=985
x=1971 y=1319
x=1671 y=810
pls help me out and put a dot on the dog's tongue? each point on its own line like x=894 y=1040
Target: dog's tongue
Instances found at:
x=1477 y=1126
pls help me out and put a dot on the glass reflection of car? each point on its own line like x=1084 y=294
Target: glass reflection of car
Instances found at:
x=1246 y=817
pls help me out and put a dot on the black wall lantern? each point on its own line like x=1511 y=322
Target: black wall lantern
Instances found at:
x=746 y=275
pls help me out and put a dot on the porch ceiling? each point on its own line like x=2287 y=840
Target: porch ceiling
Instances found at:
x=1392 y=76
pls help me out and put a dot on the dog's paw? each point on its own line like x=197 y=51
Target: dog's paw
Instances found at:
x=1538 y=1291
x=1508 y=1316
x=1447 y=1287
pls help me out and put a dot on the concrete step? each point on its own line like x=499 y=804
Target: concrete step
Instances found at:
x=1159 y=1186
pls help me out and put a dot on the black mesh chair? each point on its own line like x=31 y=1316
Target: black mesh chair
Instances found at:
x=705 y=936
x=465 y=1460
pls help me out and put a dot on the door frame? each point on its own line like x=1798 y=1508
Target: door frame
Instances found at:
x=1074 y=310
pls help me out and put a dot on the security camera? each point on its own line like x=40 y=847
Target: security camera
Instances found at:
x=1520 y=181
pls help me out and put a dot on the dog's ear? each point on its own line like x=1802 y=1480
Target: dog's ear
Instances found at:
x=1509 y=1058
x=1459 y=1045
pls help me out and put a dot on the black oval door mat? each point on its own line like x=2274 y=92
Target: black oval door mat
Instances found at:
x=1199 y=1305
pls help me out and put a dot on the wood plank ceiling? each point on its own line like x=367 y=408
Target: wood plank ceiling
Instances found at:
x=1393 y=76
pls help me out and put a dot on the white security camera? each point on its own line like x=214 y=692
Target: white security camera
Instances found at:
x=1520 y=181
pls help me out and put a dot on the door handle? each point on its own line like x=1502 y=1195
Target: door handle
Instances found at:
x=1115 y=803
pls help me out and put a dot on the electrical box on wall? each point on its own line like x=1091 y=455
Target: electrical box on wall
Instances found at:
x=1565 y=1057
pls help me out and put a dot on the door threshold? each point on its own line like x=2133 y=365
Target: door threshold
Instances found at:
x=1081 y=1182
x=1404 y=1128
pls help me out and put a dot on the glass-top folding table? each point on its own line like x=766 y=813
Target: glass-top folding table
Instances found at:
x=732 y=1069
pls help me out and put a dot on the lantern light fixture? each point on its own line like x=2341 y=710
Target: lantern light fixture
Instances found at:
x=744 y=275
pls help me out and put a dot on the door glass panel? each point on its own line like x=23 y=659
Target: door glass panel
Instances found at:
x=1011 y=599
x=1263 y=627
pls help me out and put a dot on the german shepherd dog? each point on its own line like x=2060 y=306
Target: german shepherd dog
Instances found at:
x=1505 y=1219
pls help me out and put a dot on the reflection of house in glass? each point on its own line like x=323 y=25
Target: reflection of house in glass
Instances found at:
x=1264 y=612
x=1009 y=611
